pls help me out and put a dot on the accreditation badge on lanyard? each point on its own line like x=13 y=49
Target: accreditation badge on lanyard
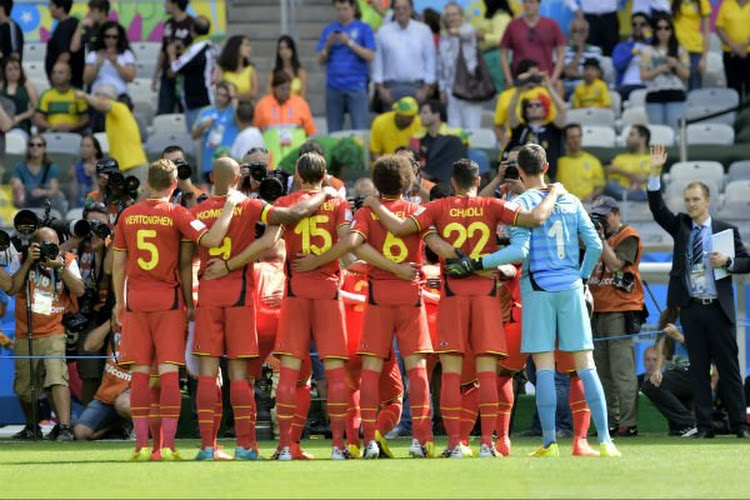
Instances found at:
x=42 y=303
x=698 y=279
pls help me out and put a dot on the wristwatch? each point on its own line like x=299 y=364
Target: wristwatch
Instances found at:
x=729 y=263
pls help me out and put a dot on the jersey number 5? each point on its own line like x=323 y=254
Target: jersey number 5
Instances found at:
x=142 y=236
x=464 y=233
x=308 y=229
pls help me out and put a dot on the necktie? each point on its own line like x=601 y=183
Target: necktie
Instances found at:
x=697 y=246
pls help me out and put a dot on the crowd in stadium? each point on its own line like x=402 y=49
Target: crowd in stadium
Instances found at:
x=331 y=230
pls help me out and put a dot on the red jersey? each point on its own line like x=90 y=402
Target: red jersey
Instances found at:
x=432 y=284
x=234 y=289
x=151 y=231
x=314 y=234
x=468 y=223
x=354 y=283
x=116 y=378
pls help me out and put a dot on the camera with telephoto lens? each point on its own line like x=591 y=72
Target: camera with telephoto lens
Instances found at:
x=25 y=225
x=356 y=202
x=511 y=171
x=599 y=221
x=128 y=185
x=184 y=170
x=273 y=186
x=48 y=251
x=83 y=229
x=624 y=282
x=529 y=80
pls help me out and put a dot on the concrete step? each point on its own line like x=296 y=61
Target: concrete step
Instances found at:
x=270 y=30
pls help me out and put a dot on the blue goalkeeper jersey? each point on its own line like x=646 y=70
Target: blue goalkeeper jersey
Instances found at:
x=553 y=262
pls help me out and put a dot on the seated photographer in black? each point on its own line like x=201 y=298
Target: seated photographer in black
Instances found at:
x=618 y=295
x=187 y=194
x=114 y=190
x=51 y=279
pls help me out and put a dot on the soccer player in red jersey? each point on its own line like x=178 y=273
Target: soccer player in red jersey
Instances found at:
x=395 y=305
x=225 y=316
x=469 y=316
x=152 y=309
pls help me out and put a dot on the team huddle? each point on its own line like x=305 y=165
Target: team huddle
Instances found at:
x=433 y=275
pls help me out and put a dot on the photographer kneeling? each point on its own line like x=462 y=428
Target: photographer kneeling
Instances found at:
x=52 y=279
x=618 y=308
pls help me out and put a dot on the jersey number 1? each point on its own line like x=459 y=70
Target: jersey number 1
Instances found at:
x=556 y=231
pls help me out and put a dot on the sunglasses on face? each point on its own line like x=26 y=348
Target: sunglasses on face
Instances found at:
x=37 y=145
x=663 y=28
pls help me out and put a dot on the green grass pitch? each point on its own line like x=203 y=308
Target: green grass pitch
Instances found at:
x=651 y=467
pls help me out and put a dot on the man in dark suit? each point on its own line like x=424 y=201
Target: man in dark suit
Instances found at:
x=706 y=303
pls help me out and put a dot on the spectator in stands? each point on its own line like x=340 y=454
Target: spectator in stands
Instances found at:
x=123 y=135
x=529 y=79
x=395 y=128
x=58 y=46
x=287 y=60
x=177 y=28
x=733 y=27
x=490 y=30
x=234 y=66
x=667 y=382
x=283 y=117
x=194 y=63
x=536 y=38
x=627 y=173
x=577 y=52
x=215 y=126
x=57 y=280
x=626 y=57
x=11 y=35
x=248 y=136
x=87 y=33
x=109 y=62
x=580 y=172
x=17 y=88
x=7 y=111
x=601 y=17
x=461 y=36
x=420 y=190
x=36 y=178
x=346 y=47
x=535 y=126
x=652 y=7
x=438 y=145
x=618 y=295
x=665 y=67
x=373 y=12
x=83 y=175
x=404 y=57
x=692 y=24
x=433 y=20
x=592 y=92
x=58 y=109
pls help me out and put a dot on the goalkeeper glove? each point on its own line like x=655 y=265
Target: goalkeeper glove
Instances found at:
x=462 y=266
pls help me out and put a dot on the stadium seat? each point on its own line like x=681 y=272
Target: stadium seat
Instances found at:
x=714 y=43
x=735 y=210
x=591 y=116
x=15 y=142
x=145 y=68
x=660 y=134
x=321 y=125
x=74 y=214
x=146 y=51
x=721 y=97
x=700 y=111
x=634 y=115
x=608 y=71
x=103 y=142
x=636 y=98
x=170 y=123
x=159 y=140
x=63 y=142
x=705 y=171
x=598 y=137
x=488 y=119
x=738 y=191
x=616 y=103
x=739 y=170
x=140 y=90
x=482 y=138
x=714 y=76
x=35 y=72
x=636 y=211
x=710 y=133
x=34 y=52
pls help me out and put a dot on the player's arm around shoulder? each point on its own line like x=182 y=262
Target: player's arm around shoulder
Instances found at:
x=392 y=222
x=537 y=216
x=278 y=215
x=197 y=231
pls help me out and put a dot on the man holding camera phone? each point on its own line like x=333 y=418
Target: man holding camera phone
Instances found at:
x=52 y=279
x=618 y=295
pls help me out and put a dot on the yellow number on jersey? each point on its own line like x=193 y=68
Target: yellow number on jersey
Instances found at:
x=394 y=243
x=465 y=233
x=308 y=229
x=225 y=250
x=359 y=286
x=141 y=236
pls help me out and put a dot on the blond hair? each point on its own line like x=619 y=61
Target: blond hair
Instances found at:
x=162 y=174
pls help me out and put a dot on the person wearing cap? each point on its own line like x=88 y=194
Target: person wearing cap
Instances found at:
x=576 y=52
x=394 y=128
x=438 y=145
x=123 y=134
x=592 y=92
x=618 y=295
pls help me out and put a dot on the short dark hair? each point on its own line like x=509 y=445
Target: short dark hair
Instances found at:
x=174 y=148
x=525 y=65
x=434 y=105
x=703 y=187
x=441 y=190
x=392 y=174
x=245 y=111
x=311 y=168
x=350 y=2
x=532 y=159
x=644 y=132
x=102 y=5
x=641 y=14
x=65 y=5
x=7 y=6
x=312 y=146
x=570 y=126
x=280 y=77
x=465 y=173
x=181 y=4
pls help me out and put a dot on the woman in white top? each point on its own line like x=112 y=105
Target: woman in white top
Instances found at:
x=111 y=61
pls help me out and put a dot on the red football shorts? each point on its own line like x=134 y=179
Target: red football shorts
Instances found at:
x=516 y=360
x=407 y=322
x=303 y=319
x=225 y=330
x=267 y=323
x=565 y=361
x=470 y=322
x=149 y=337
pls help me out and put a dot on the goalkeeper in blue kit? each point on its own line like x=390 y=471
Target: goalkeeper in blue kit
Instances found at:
x=554 y=312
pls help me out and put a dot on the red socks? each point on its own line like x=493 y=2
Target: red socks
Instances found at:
x=285 y=403
x=154 y=417
x=369 y=402
x=353 y=419
x=579 y=408
x=419 y=400
x=389 y=415
x=450 y=406
x=170 y=402
x=243 y=407
x=218 y=414
x=487 y=405
x=139 y=408
x=504 y=406
x=301 y=409
x=338 y=396
x=206 y=402
x=469 y=411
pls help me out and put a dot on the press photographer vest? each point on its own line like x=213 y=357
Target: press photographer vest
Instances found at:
x=607 y=297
